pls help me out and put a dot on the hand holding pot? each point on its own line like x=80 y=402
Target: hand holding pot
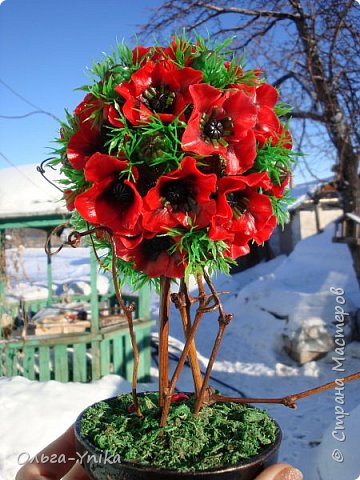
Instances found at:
x=72 y=470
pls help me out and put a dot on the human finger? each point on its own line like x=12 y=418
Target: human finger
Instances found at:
x=76 y=473
x=53 y=462
x=280 y=471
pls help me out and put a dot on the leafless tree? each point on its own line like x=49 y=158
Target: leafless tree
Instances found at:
x=310 y=51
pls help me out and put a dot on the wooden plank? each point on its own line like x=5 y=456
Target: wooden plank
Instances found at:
x=95 y=365
x=118 y=355
x=146 y=356
x=94 y=295
x=128 y=358
x=44 y=363
x=11 y=362
x=29 y=362
x=79 y=363
x=104 y=357
x=144 y=302
x=140 y=340
x=61 y=363
x=31 y=222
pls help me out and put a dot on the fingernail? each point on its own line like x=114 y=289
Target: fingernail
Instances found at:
x=289 y=473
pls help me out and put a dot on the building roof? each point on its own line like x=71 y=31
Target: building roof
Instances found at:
x=24 y=193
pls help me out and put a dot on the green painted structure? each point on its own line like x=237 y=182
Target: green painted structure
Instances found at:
x=80 y=357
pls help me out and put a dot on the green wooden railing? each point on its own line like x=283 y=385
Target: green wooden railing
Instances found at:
x=79 y=358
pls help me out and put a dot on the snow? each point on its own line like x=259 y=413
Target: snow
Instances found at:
x=267 y=301
x=303 y=191
x=23 y=191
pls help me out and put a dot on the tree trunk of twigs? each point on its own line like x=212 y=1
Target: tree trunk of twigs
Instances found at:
x=164 y=313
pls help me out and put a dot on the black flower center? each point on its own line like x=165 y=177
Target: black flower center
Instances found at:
x=159 y=100
x=152 y=248
x=238 y=202
x=119 y=192
x=180 y=195
x=214 y=129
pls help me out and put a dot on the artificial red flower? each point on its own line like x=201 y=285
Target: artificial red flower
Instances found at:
x=239 y=246
x=87 y=107
x=268 y=124
x=157 y=89
x=187 y=50
x=247 y=210
x=278 y=190
x=140 y=54
x=181 y=197
x=218 y=122
x=241 y=155
x=112 y=116
x=179 y=397
x=112 y=200
x=266 y=96
x=84 y=143
x=131 y=408
x=152 y=256
x=264 y=233
x=69 y=197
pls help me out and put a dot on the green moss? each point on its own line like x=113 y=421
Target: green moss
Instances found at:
x=221 y=434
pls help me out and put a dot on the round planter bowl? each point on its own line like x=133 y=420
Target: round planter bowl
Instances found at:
x=100 y=465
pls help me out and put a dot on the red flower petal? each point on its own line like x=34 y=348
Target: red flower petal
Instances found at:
x=152 y=257
x=82 y=145
x=192 y=188
x=266 y=95
x=112 y=202
x=240 y=156
x=179 y=397
x=242 y=111
x=204 y=96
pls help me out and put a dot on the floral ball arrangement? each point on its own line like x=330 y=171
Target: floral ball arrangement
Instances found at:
x=179 y=153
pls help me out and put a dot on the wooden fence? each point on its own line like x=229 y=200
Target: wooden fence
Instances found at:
x=79 y=358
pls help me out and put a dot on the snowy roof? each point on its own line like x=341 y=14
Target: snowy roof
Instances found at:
x=25 y=193
x=303 y=191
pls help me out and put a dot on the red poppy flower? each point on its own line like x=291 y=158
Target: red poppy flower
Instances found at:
x=131 y=408
x=264 y=233
x=91 y=104
x=268 y=125
x=218 y=122
x=278 y=190
x=69 y=197
x=152 y=256
x=140 y=54
x=181 y=197
x=157 y=89
x=179 y=397
x=112 y=116
x=248 y=211
x=87 y=107
x=84 y=143
x=187 y=50
x=111 y=201
x=239 y=246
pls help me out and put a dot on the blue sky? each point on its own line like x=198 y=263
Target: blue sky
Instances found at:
x=45 y=47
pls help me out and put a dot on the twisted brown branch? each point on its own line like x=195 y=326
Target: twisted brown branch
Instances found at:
x=73 y=240
x=288 y=401
x=224 y=319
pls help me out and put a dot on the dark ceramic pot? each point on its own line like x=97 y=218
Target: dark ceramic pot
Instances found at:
x=102 y=466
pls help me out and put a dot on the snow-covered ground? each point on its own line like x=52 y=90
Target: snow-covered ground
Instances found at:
x=267 y=301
